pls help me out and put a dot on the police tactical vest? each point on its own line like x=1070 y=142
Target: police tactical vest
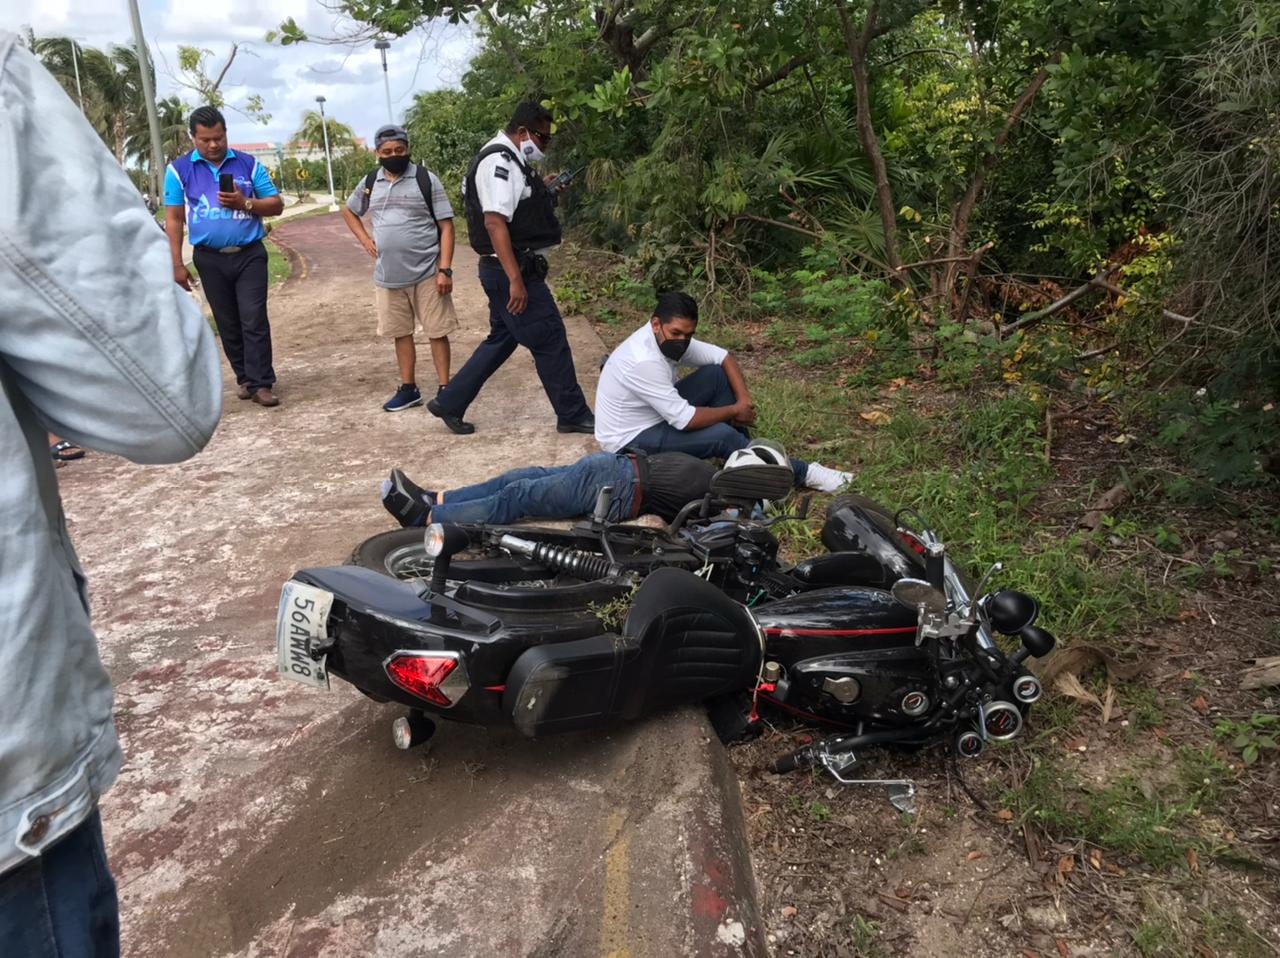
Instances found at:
x=534 y=225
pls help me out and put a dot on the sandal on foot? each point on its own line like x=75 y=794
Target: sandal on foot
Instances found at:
x=65 y=451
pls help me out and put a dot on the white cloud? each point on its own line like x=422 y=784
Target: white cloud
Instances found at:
x=287 y=78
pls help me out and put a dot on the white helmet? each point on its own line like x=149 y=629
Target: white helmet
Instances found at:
x=761 y=452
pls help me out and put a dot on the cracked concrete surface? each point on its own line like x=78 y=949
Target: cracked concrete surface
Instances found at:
x=255 y=817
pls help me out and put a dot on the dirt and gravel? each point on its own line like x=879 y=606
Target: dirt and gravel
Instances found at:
x=258 y=817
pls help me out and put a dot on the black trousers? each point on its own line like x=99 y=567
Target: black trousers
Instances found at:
x=539 y=329
x=235 y=284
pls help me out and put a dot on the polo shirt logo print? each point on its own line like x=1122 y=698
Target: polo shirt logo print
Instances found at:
x=202 y=209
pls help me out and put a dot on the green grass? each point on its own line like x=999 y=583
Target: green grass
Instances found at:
x=1136 y=816
x=278 y=265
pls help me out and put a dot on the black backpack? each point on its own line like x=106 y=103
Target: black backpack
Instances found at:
x=424 y=184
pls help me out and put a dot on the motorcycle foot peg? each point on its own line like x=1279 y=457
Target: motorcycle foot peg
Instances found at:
x=969 y=744
x=412 y=730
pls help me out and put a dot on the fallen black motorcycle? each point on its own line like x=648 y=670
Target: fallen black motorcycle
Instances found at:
x=880 y=637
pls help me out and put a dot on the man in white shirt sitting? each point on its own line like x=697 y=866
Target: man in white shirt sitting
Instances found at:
x=641 y=405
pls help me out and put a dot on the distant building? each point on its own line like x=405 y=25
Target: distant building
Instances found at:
x=266 y=153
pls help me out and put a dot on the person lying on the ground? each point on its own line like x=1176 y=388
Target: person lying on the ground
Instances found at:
x=662 y=483
x=640 y=405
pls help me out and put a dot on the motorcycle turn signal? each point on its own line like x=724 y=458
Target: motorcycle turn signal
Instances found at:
x=1010 y=611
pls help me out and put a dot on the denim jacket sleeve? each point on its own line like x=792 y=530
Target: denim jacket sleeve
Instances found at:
x=103 y=344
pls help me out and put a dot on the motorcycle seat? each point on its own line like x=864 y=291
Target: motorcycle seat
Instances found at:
x=684 y=641
x=753 y=482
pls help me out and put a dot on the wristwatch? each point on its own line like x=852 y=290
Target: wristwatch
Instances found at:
x=248 y=205
x=446 y=271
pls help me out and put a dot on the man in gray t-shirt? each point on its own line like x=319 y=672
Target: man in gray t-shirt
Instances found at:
x=412 y=245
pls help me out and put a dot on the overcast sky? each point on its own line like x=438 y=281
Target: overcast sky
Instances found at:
x=287 y=78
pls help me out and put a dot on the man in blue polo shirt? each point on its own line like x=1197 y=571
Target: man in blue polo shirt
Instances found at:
x=226 y=233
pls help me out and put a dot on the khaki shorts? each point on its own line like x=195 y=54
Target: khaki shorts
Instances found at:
x=398 y=309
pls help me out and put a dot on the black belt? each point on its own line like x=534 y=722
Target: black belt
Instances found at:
x=227 y=249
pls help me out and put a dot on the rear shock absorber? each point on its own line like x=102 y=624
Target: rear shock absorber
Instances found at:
x=584 y=565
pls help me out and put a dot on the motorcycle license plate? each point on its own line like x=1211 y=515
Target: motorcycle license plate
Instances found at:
x=301 y=623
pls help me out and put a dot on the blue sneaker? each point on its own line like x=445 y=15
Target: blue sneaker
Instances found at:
x=406 y=397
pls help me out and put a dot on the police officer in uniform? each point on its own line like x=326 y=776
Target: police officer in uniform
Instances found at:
x=512 y=222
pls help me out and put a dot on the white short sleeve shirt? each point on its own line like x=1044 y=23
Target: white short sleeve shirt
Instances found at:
x=500 y=181
x=638 y=388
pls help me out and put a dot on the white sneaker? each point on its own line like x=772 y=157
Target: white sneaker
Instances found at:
x=825 y=479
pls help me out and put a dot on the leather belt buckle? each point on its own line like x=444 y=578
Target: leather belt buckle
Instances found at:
x=230 y=249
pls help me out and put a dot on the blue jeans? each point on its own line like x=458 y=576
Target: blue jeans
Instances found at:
x=539 y=329
x=63 y=903
x=705 y=386
x=551 y=492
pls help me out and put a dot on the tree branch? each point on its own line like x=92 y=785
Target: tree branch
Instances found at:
x=235 y=48
x=1058 y=304
x=856 y=44
x=780 y=74
x=912 y=53
x=963 y=209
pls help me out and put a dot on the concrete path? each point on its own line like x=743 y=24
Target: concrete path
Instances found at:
x=255 y=817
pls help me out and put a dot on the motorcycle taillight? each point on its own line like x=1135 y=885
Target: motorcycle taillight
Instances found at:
x=435 y=677
x=912 y=541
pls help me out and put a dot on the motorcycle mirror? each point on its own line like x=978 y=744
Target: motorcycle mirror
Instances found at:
x=1039 y=642
x=1010 y=612
x=916 y=593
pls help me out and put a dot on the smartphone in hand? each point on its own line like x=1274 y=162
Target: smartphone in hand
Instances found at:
x=226 y=183
x=563 y=180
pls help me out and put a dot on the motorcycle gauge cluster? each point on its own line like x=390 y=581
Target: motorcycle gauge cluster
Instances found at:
x=1002 y=720
x=915 y=704
x=969 y=744
x=1026 y=689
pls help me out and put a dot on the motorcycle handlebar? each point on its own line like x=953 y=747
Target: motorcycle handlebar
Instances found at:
x=792 y=761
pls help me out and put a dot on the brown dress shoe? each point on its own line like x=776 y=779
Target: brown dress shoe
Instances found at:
x=243 y=391
x=265 y=397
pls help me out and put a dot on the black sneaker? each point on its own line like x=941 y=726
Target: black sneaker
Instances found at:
x=407 y=502
x=454 y=423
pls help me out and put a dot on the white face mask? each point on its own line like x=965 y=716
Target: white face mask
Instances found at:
x=532 y=154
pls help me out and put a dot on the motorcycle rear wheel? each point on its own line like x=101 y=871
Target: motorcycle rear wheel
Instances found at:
x=402 y=554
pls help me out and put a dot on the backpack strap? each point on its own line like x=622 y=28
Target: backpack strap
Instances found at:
x=424 y=184
x=368 y=188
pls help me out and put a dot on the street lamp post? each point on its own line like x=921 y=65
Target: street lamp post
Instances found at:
x=328 y=165
x=153 y=118
x=382 y=46
x=75 y=65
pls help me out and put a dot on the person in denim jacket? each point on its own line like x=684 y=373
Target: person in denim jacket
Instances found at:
x=98 y=344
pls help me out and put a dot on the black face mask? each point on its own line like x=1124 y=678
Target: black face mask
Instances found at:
x=673 y=349
x=394 y=164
